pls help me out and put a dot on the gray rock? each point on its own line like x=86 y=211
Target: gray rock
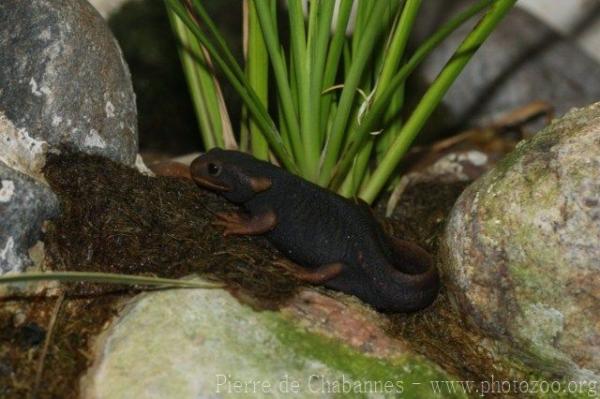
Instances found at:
x=63 y=79
x=24 y=205
x=206 y=344
x=522 y=249
x=63 y=82
x=522 y=61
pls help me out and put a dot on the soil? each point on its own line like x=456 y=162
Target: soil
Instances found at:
x=24 y=325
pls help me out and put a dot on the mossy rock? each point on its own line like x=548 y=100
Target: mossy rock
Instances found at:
x=522 y=250
x=205 y=343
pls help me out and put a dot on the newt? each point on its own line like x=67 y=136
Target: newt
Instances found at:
x=329 y=240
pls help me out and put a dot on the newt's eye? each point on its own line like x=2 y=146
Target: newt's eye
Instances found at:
x=214 y=169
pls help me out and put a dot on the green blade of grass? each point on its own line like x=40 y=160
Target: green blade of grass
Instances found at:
x=223 y=48
x=271 y=39
x=230 y=59
x=229 y=140
x=359 y=61
x=318 y=43
x=397 y=44
x=108 y=278
x=358 y=171
x=434 y=95
x=392 y=57
x=379 y=107
x=332 y=64
x=363 y=13
x=391 y=130
x=217 y=38
x=302 y=64
x=200 y=84
x=228 y=65
x=258 y=71
x=293 y=79
x=241 y=86
x=284 y=133
x=310 y=77
x=244 y=131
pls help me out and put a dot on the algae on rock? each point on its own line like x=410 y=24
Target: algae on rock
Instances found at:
x=522 y=249
x=202 y=343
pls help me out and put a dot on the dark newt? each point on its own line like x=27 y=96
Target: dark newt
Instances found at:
x=337 y=240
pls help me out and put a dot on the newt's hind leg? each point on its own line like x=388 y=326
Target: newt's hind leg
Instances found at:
x=320 y=275
x=409 y=257
x=241 y=224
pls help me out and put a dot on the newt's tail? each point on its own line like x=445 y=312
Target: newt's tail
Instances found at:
x=412 y=279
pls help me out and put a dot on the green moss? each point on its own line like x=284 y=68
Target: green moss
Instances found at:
x=529 y=277
x=410 y=374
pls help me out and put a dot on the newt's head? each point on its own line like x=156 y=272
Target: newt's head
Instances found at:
x=235 y=175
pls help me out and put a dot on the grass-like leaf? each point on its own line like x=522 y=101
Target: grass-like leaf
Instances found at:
x=330 y=137
x=258 y=75
x=271 y=37
x=434 y=96
x=108 y=278
x=380 y=106
x=236 y=77
x=344 y=110
x=201 y=85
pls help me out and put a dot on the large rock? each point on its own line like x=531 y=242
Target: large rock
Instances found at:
x=24 y=205
x=64 y=80
x=205 y=344
x=522 y=250
x=522 y=61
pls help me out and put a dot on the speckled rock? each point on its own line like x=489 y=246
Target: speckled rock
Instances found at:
x=522 y=61
x=522 y=247
x=206 y=344
x=24 y=205
x=64 y=80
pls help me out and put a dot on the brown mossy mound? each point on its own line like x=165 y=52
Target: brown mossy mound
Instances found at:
x=116 y=220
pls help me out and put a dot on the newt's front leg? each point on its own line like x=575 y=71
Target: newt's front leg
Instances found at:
x=242 y=224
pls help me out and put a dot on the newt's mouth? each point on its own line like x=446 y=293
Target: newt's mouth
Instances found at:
x=213 y=184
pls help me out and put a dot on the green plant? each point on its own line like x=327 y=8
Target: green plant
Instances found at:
x=106 y=278
x=335 y=118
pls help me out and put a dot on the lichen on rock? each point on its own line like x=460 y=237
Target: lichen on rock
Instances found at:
x=204 y=343
x=523 y=244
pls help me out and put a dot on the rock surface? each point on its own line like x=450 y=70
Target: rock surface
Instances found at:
x=63 y=83
x=522 y=61
x=64 y=80
x=522 y=249
x=24 y=205
x=204 y=343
